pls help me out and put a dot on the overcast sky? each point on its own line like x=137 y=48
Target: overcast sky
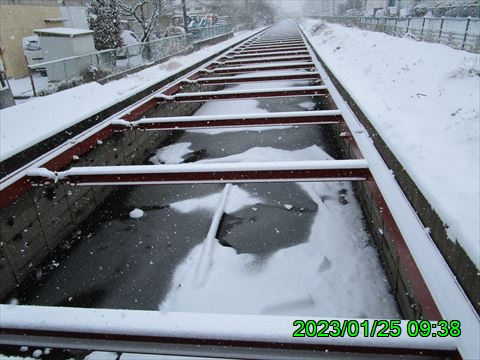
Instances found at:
x=291 y=6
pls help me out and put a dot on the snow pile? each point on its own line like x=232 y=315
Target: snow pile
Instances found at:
x=136 y=213
x=299 y=280
x=237 y=199
x=424 y=101
x=171 y=154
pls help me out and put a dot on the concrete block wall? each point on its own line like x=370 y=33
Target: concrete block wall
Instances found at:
x=38 y=222
x=382 y=237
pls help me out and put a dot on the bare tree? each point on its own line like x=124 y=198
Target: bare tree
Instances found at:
x=145 y=13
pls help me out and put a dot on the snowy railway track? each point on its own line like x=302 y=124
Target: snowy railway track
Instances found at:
x=285 y=56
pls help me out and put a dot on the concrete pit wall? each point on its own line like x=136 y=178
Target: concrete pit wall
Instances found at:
x=37 y=223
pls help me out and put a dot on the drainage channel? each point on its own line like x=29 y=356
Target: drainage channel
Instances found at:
x=292 y=239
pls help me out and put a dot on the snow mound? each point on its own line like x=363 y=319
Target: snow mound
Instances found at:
x=171 y=154
x=237 y=199
x=136 y=213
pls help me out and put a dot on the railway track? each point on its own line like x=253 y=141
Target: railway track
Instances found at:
x=284 y=54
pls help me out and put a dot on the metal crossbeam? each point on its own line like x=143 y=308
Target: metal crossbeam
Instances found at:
x=311 y=75
x=267 y=60
x=270 y=49
x=267 y=67
x=285 y=171
x=246 y=94
x=256 y=55
x=244 y=120
x=197 y=334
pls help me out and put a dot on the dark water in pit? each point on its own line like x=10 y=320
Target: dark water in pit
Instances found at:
x=118 y=262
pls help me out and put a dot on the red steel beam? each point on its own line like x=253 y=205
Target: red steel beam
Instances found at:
x=244 y=69
x=243 y=79
x=269 y=49
x=236 y=62
x=195 y=345
x=257 y=55
x=253 y=94
x=9 y=193
x=337 y=170
x=274 y=44
x=272 y=119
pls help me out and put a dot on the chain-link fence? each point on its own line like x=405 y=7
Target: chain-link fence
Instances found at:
x=104 y=65
x=459 y=33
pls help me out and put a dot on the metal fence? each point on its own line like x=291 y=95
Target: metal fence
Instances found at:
x=103 y=65
x=459 y=33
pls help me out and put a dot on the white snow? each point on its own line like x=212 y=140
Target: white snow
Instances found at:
x=424 y=100
x=61 y=31
x=228 y=107
x=26 y=124
x=136 y=213
x=251 y=90
x=101 y=355
x=237 y=199
x=207 y=326
x=171 y=154
x=296 y=280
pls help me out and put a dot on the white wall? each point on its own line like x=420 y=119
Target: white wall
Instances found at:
x=76 y=16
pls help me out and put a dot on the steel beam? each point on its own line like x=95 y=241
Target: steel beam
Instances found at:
x=245 y=94
x=203 y=335
x=266 y=60
x=244 y=120
x=285 y=171
x=256 y=55
x=270 y=49
x=244 y=69
x=243 y=79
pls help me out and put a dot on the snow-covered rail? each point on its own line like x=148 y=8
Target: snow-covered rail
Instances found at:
x=436 y=292
x=328 y=170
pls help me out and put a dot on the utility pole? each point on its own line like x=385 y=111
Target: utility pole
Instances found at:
x=185 y=20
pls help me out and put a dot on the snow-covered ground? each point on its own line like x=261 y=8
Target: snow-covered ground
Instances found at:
x=424 y=100
x=26 y=124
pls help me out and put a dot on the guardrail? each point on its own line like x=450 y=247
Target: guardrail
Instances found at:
x=104 y=65
x=459 y=33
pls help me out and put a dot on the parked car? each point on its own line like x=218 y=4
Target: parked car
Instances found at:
x=129 y=39
x=33 y=52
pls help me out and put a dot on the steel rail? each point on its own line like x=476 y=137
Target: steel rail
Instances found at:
x=245 y=94
x=269 y=49
x=265 y=60
x=194 y=334
x=326 y=170
x=243 y=79
x=244 y=120
x=241 y=56
x=247 y=69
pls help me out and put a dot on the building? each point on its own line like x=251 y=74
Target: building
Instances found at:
x=18 y=19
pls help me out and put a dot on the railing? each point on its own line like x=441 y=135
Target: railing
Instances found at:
x=459 y=33
x=104 y=65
